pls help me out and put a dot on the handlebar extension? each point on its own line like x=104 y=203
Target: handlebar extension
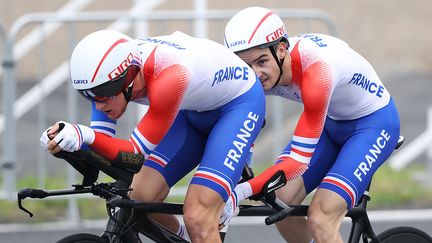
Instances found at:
x=278 y=216
x=33 y=193
x=121 y=203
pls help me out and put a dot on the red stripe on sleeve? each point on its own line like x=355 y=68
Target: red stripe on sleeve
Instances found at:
x=289 y=166
x=109 y=147
x=316 y=88
x=165 y=91
x=305 y=154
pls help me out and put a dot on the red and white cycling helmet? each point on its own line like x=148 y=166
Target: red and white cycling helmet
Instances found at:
x=103 y=65
x=254 y=26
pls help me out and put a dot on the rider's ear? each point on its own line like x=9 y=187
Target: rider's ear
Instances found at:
x=282 y=49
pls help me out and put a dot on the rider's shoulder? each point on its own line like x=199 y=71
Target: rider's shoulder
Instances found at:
x=316 y=42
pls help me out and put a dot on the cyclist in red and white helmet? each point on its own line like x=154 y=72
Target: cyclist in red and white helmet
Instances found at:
x=109 y=67
x=245 y=31
x=205 y=109
x=348 y=128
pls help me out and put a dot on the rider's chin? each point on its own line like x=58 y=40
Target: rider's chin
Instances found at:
x=112 y=114
x=115 y=115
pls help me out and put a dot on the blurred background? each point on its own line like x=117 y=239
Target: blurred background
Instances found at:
x=37 y=37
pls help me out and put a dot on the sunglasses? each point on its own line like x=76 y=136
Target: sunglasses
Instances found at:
x=121 y=84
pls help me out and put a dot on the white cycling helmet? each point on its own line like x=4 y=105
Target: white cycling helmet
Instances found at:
x=99 y=65
x=254 y=26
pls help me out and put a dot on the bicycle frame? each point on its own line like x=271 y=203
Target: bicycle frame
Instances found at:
x=142 y=223
x=361 y=225
x=360 y=222
x=115 y=195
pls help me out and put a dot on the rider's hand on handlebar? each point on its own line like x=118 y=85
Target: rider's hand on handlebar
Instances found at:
x=231 y=210
x=45 y=139
x=53 y=130
x=48 y=135
x=66 y=136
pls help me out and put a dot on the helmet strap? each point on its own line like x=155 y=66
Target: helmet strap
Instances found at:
x=127 y=93
x=279 y=63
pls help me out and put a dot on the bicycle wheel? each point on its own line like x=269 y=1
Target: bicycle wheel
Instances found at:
x=404 y=235
x=83 y=238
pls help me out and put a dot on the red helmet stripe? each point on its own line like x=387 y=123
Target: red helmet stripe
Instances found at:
x=259 y=24
x=106 y=54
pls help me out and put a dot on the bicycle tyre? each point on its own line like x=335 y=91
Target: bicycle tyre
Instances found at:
x=83 y=238
x=404 y=234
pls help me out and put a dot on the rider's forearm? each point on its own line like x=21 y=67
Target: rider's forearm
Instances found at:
x=109 y=147
x=88 y=135
x=243 y=191
x=290 y=167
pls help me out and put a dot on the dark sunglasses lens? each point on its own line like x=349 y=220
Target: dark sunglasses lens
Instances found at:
x=110 y=88
x=91 y=97
x=117 y=85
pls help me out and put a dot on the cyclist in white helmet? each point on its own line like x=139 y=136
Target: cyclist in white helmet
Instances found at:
x=348 y=128
x=206 y=108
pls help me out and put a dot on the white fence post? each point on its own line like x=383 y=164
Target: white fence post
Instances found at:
x=413 y=149
x=428 y=176
x=5 y=163
x=421 y=144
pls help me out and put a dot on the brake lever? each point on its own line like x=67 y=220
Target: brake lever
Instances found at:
x=268 y=197
x=23 y=208
x=22 y=195
x=29 y=192
x=267 y=194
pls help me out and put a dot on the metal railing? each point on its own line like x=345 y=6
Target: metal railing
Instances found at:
x=22 y=48
x=3 y=37
x=13 y=109
x=32 y=39
x=4 y=165
x=39 y=91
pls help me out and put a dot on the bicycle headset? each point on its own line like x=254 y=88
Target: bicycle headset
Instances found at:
x=256 y=27
x=103 y=65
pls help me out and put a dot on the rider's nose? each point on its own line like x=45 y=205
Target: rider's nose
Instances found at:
x=257 y=71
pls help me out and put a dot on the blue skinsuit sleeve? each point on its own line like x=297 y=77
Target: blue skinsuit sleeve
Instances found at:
x=100 y=122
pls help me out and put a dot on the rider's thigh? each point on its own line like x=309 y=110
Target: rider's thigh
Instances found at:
x=322 y=160
x=149 y=185
x=293 y=192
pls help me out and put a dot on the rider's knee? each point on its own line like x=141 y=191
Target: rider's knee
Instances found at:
x=322 y=219
x=315 y=220
x=293 y=192
x=198 y=219
x=202 y=211
x=146 y=193
x=194 y=212
x=149 y=186
x=140 y=193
